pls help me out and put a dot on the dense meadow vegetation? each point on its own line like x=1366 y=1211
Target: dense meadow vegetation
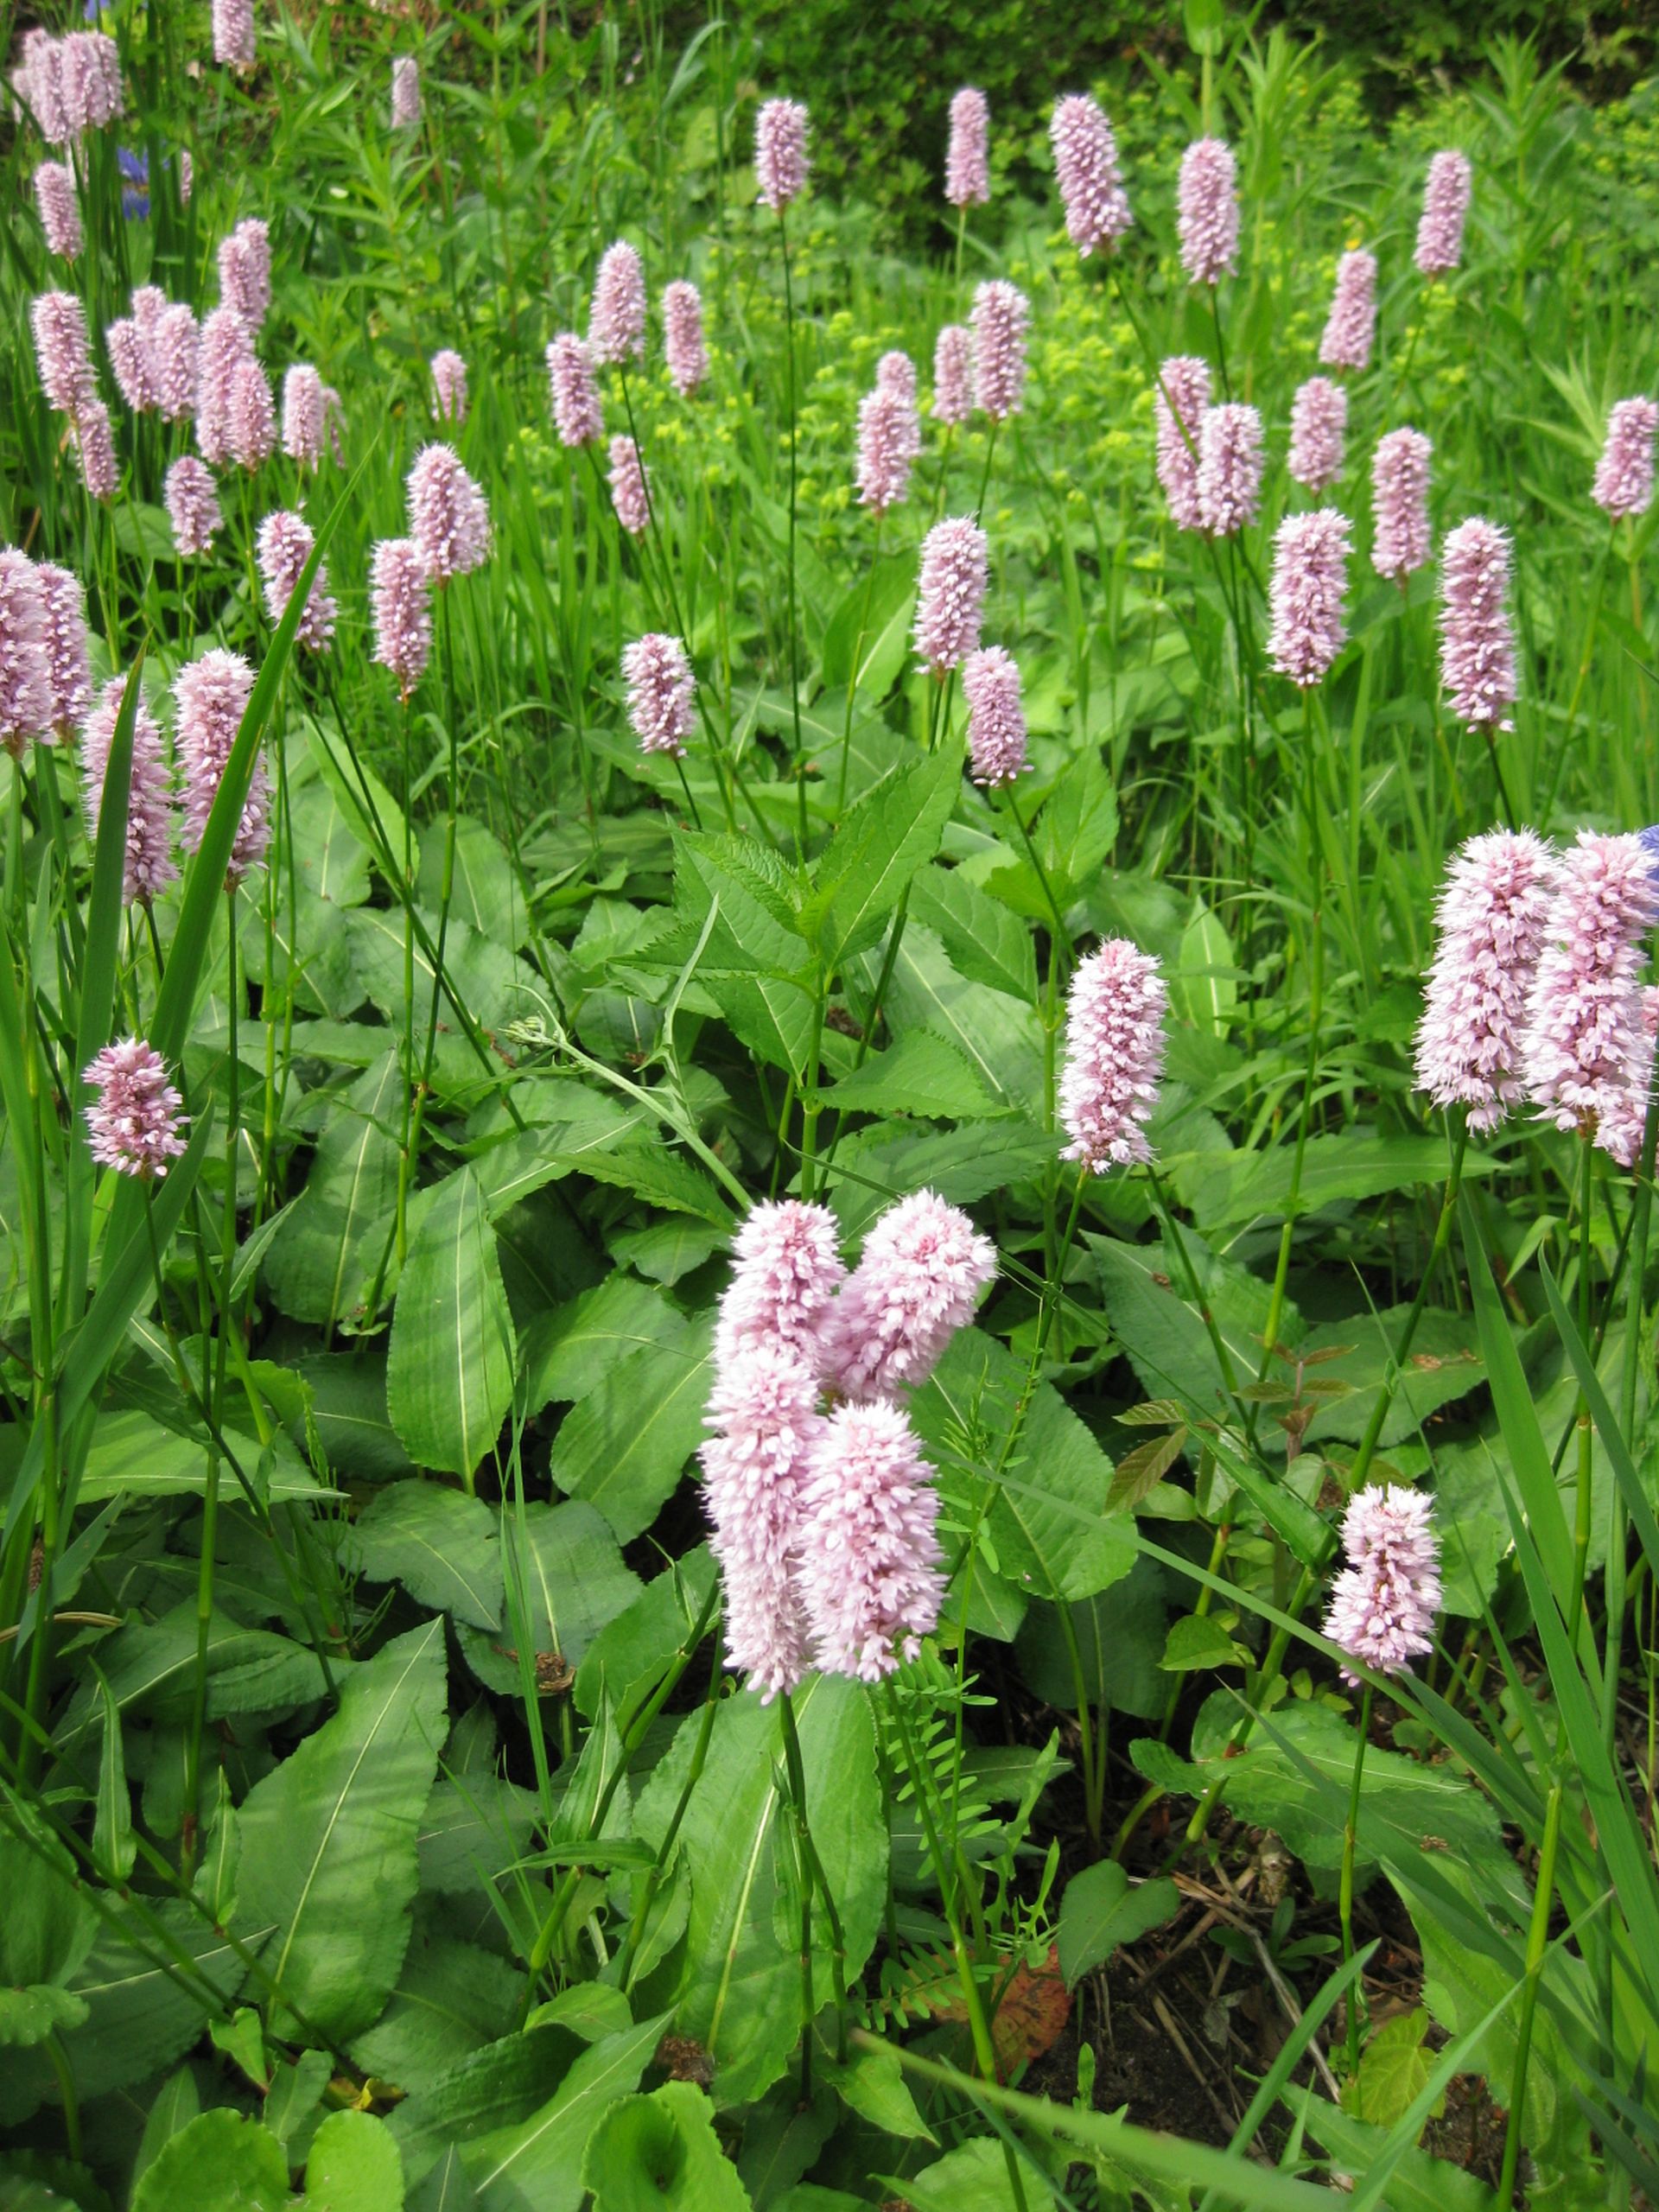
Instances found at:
x=556 y=1018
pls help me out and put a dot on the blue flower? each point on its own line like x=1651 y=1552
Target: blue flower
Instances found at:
x=135 y=183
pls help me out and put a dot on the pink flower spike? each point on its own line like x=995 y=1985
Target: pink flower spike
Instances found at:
x=303 y=415
x=284 y=546
x=95 y=444
x=401 y=593
x=1352 y=323
x=577 y=413
x=1091 y=185
x=212 y=695
x=192 y=506
x=918 y=1281
x=1229 y=469
x=25 y=676
x=1489 y=923
x=662 y=693
x=1179 y=417
x=1445 y=206
x=1383 y=1606
x=1400 y=539
x=1623 y=483
x=787 y=1269
x=148 y=866
x=234 y=33
x=870 y=1575
x=59 y=210
x=63 y=639
x=951 y=592
x=1114 y=1056
x=1208 y=199
x=996 y=720
x=781 y=163
x=134 y=1120
x=149 y=306
x=38 y=82
x=953 y=374
x=406 y=93
x=1620 y=1130
x=630 y=487
x=1000 y=317
x=1310 y=574
x=616 y=320
x=174 y=348
x=448 y=518
x=763 y=1409
x=889 y=438
x=61 y=351
x=1319 y=424
x=226 y=343
x=684 y=350
x=1584 y=1053
x=133 y=363
x=1478 y=669
x=967 y=162
x=250 y=417
x=448 y=388
x=93 y=92
x=896 y=372
x=244 y=271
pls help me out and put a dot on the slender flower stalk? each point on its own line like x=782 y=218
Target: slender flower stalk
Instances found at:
x=135 y=1122
x=1352 y=325
x=1309 y=574
x=1490 y=921
x=1208 y=203
x=1445 y=208
x=1114 y=1056
x=967 y=161
x=1401 y=538
x=149 y=866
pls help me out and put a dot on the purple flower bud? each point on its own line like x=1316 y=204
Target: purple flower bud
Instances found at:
x=682 y=346
x=1623 y=483
x=192 y=506
x=967 y=163
x=212 y=695
x=662 y=693
x=148 y=866
x=1208 y=199
x=284 y=546
x=1318 y=423
x=1230 y=468
x=1383 y=1606
x=953 y=374
x=996 y=720
x=1489 y=923
x=1400 y=538
x=403 y=611
x=134 y=1121
x=61 y=351
x=616 y=320
x=1185 y=378
x=781 y=157
x=60 y=212
x=870 y=1576
x=448 y=388
x=1001 y=314
x=1114 y=1056
x=1445 y=204
x=1091 y=185
x=630 y=487
x=1352 y=323
x=448 y=519
x=63 y=642
x=406 y=93
x=1476 y=644
x=951 y=592
x=1310 y=574
x=577 y=413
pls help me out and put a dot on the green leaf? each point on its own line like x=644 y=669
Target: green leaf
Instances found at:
x=484 y=893
x=1200 y=1642
x=981 y=940
x=371 y=812
x=141 y=2017
x=738 y=1991
x=567 y=1352
x=354 y=2166
x=1445 y=1363
x=537 y=2165
x=29 y=2015
x=114 y=1847
x=321 y=1260
x=867 y=864
x=660 y=2154
x=631 y=1653
x=439 y=1544
x=572 y=1582
x=626 y=1444
x=131 y=1455
x=867 y=642
x=757 y=929
x=922 y=1074
x=485 y=2089
x=1205 y=982
x=1244 y=1185
x=1073 y=836
x=329 y=1839
x=331 y=860
x=220 y=2161
x=175 y=2105
x=872 y=2083
x=1419 y=2182
x=1001 y=1039
x=47 y=1928
x=1100 y=1912
x=449 y=1369
x=1394 y=2070
x=1143 y=1289
x=1119 y=1633
x=875 y=1166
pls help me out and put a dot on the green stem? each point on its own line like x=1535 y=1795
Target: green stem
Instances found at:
x=812 y=1877
x=1350 y=1842
x=1537 y=1943
x=1583 y=1498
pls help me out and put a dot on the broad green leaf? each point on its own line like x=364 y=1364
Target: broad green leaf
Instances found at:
x=114 y=1847
x=1119 y=1634
x=1420 y=2182
x=131 y=1455
x=537 y=2167
x=329 y=1839
x=29 y=2016
x=330 y=859
x=484 y=894
x=220 y=2161
x=1197 y=1642
x=921 y=1074
x=451 y=2000
x=660 y=2154
x=1245 y=1185
x=439 y=1543
x=450 y=1370
x=1101 y=1911
x=757 y=928
x=868 y=863
x=772 y=1017
x=873 y=2084
x=175 y=2105
x=983 y=940
x=572 y=1582
x=624 y=1446
x=371 y=812
x=493 y=985
x=567 y=1352
x=47 y=1928
x=150 y=1667
x=141 y=2015
x=1073 y=836
x=321 y=1260
x=1001 y=1039
x=354 y=2166
x=1206 y=983
x=875 y=1166
x=631 y=1653
x=867 y=639
x=1444 y=1364
x=486 y=2090
x=1143 y=1288
x=348 y=1409
x=739 y=1988
x=474 y=1827
x=1394 y=2069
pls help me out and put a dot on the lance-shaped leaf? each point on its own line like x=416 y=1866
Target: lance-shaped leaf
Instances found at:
x=449 y=1370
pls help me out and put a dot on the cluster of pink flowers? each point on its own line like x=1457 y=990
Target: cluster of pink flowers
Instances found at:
x=70 y=85
x=1178 y=412
x=1231 y=462
x=1114 y=1056
x=1208 y=205
x=244 y=271
x=192 y=508
x=1478 y=664
x=662 y=693
x=134 y=1121
x=996 y=720
x=148 y=866
x=1383 y=1603
x=234 y=33
x=889 y=439
x=1319 y=424
x=448 y=388
x=1310 y=574
x=1352 y=324
x=630 y=487
x=967 y=161
x=616 y=318
x=824 y=1521
x=62 y=353
x=577 y=413
x=781 y=164
x=1489 y=922
x=46 y=676
x=1445 y=208
x=406 y=93
x=212 y=696
x=1091 y=185
x=1001 y=316
x=951 y=593
x=953 y=374
x=225 y=346
x=400 y=590
x=59 y=210
x=305 y=408
x=1623 y=483
x=1401 y=537
x=449 y=517
x=284 y=545
x=684 y=350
